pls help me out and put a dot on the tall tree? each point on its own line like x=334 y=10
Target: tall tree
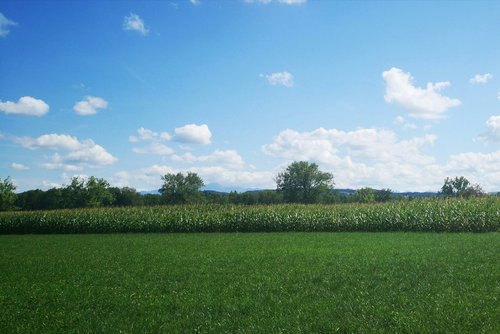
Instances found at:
x=460 y=187
x=303 y=182
x=7 y=194
x=180 y=189
x=97 y=192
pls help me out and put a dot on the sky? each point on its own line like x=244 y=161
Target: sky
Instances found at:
x=382 y=94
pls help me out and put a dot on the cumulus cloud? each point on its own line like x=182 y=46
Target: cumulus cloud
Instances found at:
x=481 y=78
x=26 y=105
x=79 y=153
x=193 y=134
x=18 y=166
x=90 y=105
x=280 y=78
x=135 y=23
x=360 y=158
x=422 y=103
x=227 y=158
x=155 y=146
x=492 y=133
x=328 y=145
x=5 y=23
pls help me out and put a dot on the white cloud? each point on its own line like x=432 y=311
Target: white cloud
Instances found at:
x=195 y=2
x=81 y=153
x=498 y=95
x=57 y=162
x=481 y=78
x=359 y=158
x=492 y=133
x=193 y=134
x=26 y=105
x=50 y=141
x=280 y=78
x=228 y=158
x=425 y=103
x=217 y=174
x=18 y=166
x=4 y=25
x=135 y=23
x=328 y=145
x=154 y=148
x=90 y=105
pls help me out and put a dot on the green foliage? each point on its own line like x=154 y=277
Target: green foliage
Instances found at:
x=364 y=195
x=431 y=215
x=250 y=283
x=460 y=187
x=7 y=195
x=384 y=195
x=180 y=189
x=303 y=182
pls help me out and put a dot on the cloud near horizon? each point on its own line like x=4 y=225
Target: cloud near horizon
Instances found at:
x=80 y=154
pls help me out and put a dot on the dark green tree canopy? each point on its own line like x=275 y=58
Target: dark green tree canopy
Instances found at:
x=179 y=189
x=303 y=182
x=7 y=194
x=365 y=195
x=460 y=187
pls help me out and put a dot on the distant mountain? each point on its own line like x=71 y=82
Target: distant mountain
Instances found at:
x=216 y=187
x=220 y=189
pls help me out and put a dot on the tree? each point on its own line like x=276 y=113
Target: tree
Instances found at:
x=7 y=194
x=303 y=182
x=364 y=195
x=383 y=195
x=180 y=189
x=97 y=193
x=460 y=187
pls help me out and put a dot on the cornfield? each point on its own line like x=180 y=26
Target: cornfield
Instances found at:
x=427 y=215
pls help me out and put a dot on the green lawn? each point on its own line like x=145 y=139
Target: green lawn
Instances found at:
x=251 y=283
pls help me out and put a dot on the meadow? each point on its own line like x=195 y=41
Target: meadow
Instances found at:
x=251 y=283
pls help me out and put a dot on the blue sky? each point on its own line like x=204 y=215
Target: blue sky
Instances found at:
x=383 y=94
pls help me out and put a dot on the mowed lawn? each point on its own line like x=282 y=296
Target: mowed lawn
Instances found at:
x=251 y=283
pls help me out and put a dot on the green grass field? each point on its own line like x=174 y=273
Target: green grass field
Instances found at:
x=251 y=283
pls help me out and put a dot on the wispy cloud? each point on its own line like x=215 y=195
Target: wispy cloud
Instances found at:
x=135 y=23
x=284 y=78
x=18 y=166
x=5 y=23
x=481 y=78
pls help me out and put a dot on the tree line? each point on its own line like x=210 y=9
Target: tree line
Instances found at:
x=300 y=182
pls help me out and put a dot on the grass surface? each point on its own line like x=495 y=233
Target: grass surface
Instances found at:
x=251 y=283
